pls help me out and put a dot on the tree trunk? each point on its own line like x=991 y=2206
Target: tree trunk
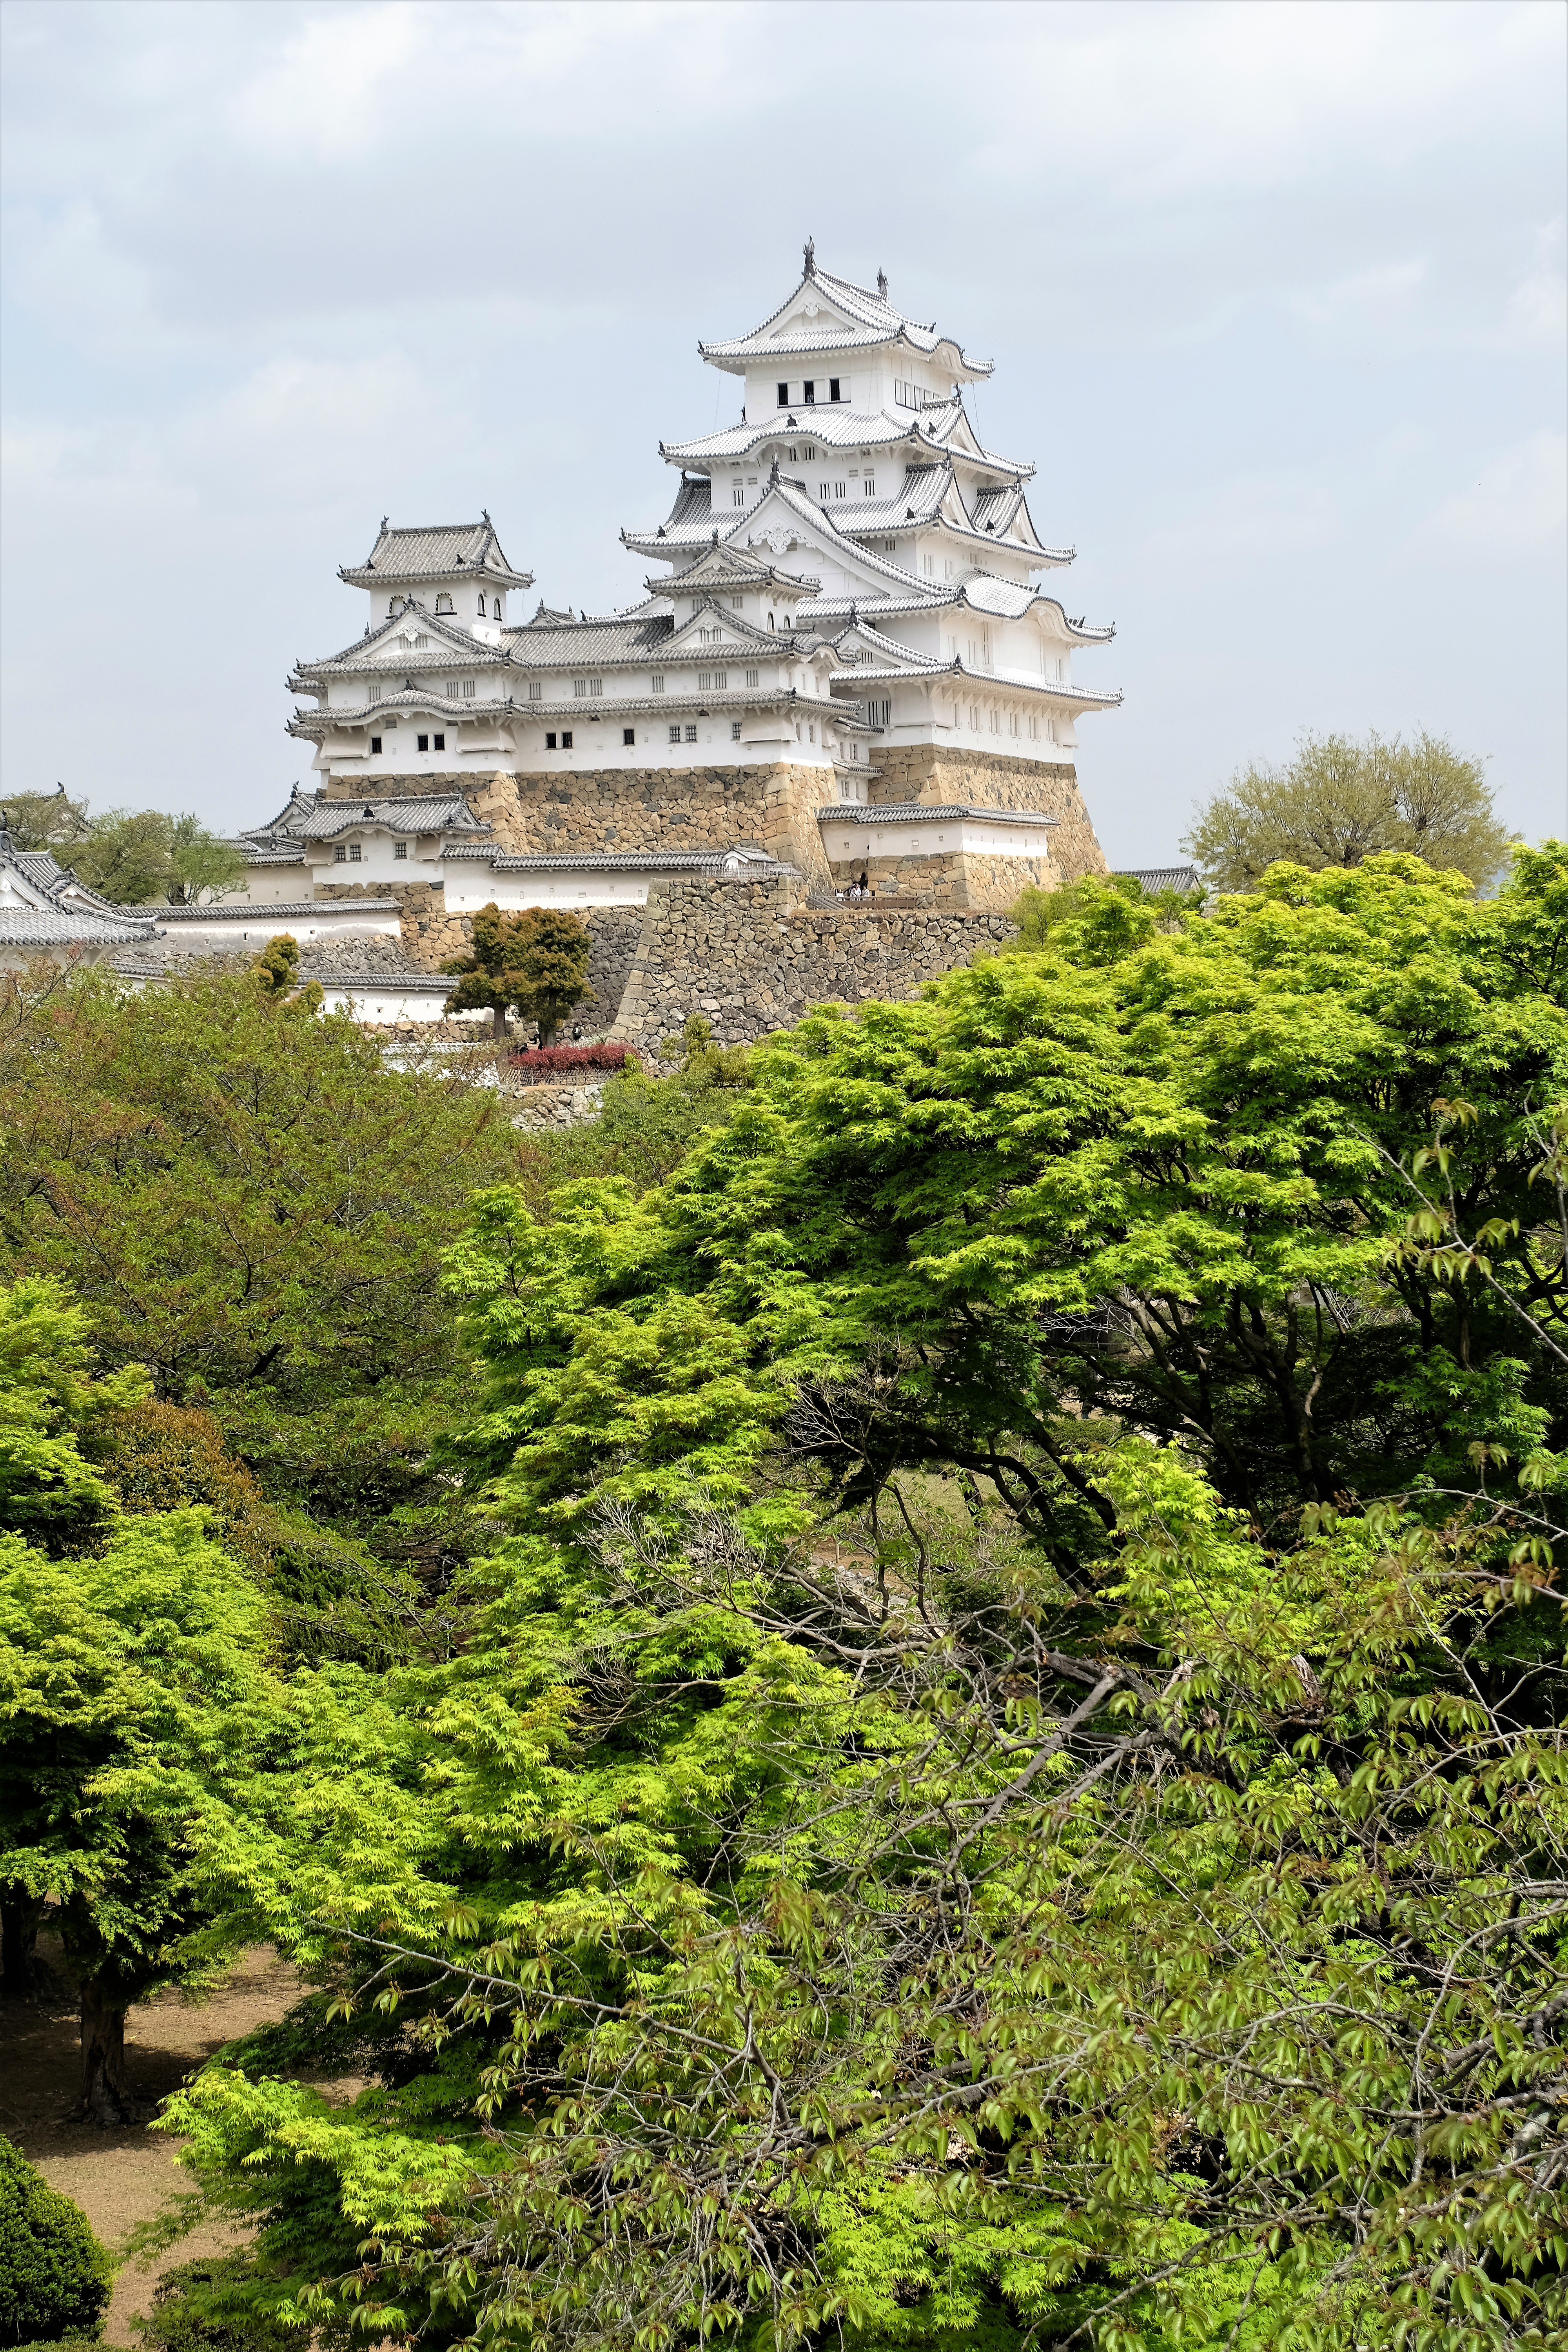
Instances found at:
x=498 y=1022
x=105 y=2095
x=19 y=1917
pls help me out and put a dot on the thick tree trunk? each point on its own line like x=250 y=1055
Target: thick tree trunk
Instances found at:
x=105 y=2095
x=19 y=1917
x=497 y=1022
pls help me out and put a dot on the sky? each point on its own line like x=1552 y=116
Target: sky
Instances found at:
x=1275 y=294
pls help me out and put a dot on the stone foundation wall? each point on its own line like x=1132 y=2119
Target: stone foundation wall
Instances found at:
x=773 y=807
x=934 y=772
x=554 y=1106
x=751 y=957
x=951 y=878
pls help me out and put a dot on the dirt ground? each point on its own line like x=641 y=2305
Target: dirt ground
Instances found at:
x=124 y=2175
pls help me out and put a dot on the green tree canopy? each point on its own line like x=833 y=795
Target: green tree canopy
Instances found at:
x=1338 y=801
x=137 y=856
x=247 y=1200
x=137 y=1704
x=536 y=961
x=50 y=821
x=1007 y=1782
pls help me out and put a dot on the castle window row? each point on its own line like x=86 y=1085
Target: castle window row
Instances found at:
x=806 y=395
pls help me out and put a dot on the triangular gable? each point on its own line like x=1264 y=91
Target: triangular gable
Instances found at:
x=877 y=652
x=395 y=639
x=723 y=567
x=787 y=519
x=713 y=628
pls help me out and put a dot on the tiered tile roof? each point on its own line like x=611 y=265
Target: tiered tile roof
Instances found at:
x=449 y=551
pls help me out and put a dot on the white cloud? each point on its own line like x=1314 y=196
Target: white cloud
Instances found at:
x=1519 y=499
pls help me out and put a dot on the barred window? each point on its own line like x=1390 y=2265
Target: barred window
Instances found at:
x=535 y=689
x=692 y=734
x=341 y=855
x=754 y=678
x=734 y=731
x=721 y=680
x=657 y=683
x=704 y=681
x=675 y=734
x=468 y=687
x=400 y=849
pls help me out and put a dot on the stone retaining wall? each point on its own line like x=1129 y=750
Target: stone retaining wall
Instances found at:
x=950 y=878
x=555 y=1106
x=752 y=957
x=934 y=772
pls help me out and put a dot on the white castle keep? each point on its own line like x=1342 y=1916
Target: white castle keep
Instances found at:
x=842 y=666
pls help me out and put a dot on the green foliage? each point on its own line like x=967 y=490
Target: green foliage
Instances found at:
x=137 y=1705
x=250 y=1203
x=647 y=1125
x=536 y=961
x=137 y=856
x=217 y=2306
x=1338 y=801
x=48 y=1492
x=55 y=2277
x=277 y=968
x=1039 y=913
x=1001 y=1779
x=50 y=821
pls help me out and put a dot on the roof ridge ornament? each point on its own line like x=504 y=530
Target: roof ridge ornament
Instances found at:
x=882 y=284
x=810 y=257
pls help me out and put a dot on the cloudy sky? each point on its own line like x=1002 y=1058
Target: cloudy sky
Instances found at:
x=1274 y=292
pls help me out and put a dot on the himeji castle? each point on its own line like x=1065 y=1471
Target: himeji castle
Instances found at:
x=842 y=663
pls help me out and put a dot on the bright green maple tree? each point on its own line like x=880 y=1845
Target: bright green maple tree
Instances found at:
x=1006 y=1787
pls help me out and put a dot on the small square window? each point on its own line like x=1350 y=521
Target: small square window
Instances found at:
x=375 y=743
x=629 y=734
x=422 y=743
x=439 y=742
x=400 y=849
x=341 y=855
x=734 y=731
x=354 y=852
x=567 y=738
x=692 y=734
x=550 y=740
x=675 y=734
x=535 y=689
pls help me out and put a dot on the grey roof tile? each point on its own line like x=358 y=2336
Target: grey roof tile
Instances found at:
x=434 y=551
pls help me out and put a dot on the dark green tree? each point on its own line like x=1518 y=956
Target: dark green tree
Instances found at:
x=536 y=961
x=55 y=2277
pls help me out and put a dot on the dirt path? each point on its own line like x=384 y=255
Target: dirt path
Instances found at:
x=124 y=2175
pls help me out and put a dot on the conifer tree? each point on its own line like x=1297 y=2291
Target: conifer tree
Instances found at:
x=536 y=961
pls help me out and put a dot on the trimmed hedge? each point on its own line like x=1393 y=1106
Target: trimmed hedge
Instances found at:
x=55 y=2277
